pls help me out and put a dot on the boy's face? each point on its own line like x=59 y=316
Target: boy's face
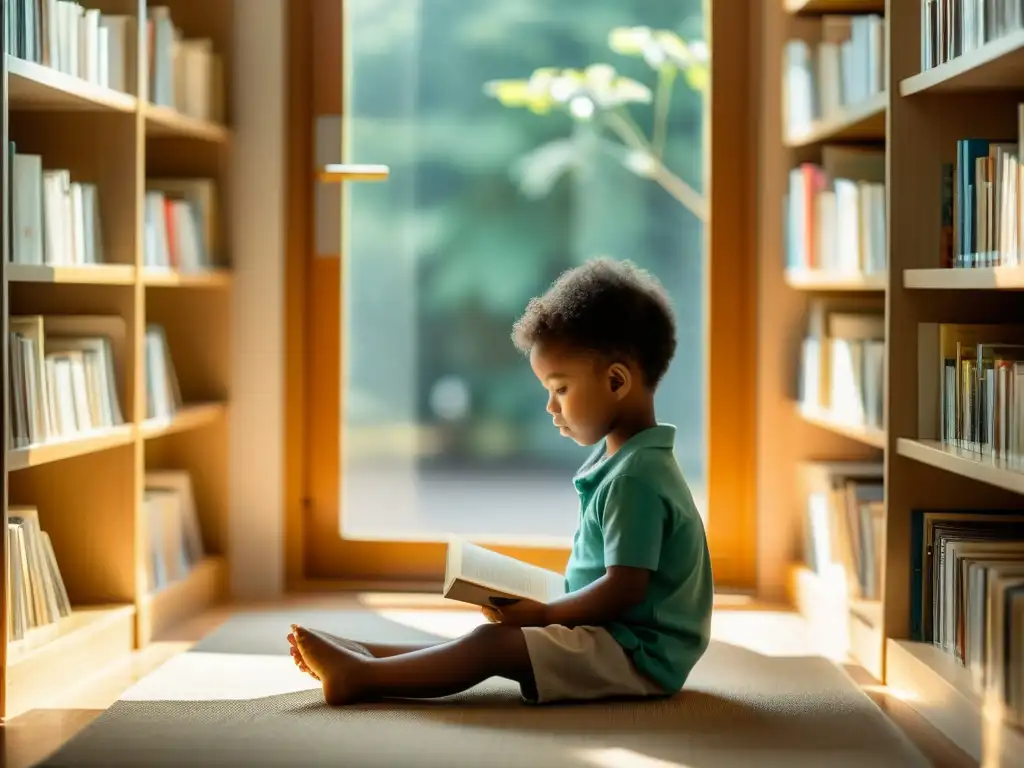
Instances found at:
x=582 y=394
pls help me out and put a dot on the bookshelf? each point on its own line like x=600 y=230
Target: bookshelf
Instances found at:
x=959 y=472
x=825 y=106
x=945 y=633
x=117 y=284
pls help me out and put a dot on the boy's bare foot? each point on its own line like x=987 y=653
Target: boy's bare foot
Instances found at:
x=297 y=658
x=333 y=666
x=293 y=648
x=340 y=642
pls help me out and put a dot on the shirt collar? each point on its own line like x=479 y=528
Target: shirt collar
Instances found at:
x=597 y=467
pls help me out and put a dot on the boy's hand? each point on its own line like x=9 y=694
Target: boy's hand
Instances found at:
x=522 y=613
x=492 y=614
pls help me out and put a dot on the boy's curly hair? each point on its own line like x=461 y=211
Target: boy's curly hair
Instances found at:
x=611 y=308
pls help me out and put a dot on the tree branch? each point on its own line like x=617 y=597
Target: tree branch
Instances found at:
x=662 y=101
x=687 y=196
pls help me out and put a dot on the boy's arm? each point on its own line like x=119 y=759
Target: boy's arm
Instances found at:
x=622 y=587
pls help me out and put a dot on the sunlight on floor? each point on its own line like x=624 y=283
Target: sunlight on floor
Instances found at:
x=197 y=676
x=614 y=757
x=769 y=633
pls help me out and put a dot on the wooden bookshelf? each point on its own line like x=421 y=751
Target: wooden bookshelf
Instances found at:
x=210 y=278
x=973 y=96
x=168 y=123
x=860 y=122
x=978 y=278
x=161 y=611
x=188 y=418
x=91 y=638
x=841 y=627
x=100 y=274
x=999 y=64
x=862 y=433
x=819 y=280
x=965 y=463
x=58 y=450
x=89 y=487
x=33 y=86
x=976 y=96
x=795 y=434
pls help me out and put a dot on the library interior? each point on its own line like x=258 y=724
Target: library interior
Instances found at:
x=305 y=407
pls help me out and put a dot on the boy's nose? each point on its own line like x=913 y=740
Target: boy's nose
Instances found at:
x=553 y=406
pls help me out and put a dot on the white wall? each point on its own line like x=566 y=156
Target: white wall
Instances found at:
x=256 y=528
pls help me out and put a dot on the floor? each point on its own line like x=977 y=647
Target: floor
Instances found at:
x=29 y=738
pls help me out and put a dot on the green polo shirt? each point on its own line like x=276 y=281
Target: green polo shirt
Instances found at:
x=636 y=510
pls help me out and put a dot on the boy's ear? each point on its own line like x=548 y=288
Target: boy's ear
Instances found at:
x=620 y=379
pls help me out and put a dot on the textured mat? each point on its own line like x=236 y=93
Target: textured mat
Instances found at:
x=236 y=699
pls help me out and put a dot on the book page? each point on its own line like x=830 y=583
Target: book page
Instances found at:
x=511 y=576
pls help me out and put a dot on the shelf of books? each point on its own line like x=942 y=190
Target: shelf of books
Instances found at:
x=954 y=574
x=116 y=277
x=829 y=298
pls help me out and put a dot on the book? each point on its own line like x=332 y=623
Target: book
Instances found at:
x=967 y=596
x=480 y=576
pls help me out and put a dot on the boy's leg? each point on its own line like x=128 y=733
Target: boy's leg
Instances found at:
x=492 y=650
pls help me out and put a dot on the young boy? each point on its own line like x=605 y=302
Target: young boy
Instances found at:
x=636 y=616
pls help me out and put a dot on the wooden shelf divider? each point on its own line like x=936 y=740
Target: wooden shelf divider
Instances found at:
x=96 y=493
x=796 y=305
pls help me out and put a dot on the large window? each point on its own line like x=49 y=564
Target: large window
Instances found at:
x=506 y=169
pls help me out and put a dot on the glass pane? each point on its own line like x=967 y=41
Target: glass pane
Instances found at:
x=444 y=429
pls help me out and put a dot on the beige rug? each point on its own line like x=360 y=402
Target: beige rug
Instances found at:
x=236 y=699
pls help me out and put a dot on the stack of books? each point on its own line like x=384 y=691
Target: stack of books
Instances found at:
x=835 y=213
x=55 y=220
x=174 y=534
x=845 y=69
x=63 y=377
x=37 y=597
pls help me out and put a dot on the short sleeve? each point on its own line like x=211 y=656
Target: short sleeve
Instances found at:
x=633 y=523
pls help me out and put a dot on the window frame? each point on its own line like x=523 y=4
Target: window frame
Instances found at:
x=316 y=557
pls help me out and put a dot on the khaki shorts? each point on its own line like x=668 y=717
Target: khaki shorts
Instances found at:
x=582 y=663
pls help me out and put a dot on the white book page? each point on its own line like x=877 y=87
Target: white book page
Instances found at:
x=500 y=572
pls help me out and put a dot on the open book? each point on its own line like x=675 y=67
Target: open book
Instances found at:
x=481 y=577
